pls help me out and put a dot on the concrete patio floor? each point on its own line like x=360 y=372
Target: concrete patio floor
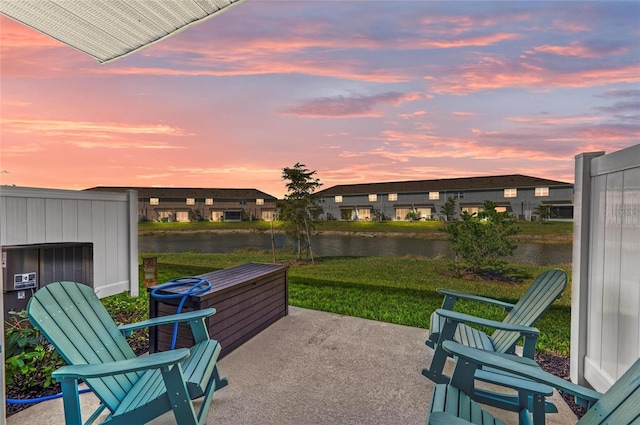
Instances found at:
x=313 y=368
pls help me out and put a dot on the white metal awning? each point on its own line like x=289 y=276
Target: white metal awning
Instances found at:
x=110 y=29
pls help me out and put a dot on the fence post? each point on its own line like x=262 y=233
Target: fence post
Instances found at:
x=580 y=265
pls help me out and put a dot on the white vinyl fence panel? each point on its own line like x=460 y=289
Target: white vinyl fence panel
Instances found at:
x=605 y=339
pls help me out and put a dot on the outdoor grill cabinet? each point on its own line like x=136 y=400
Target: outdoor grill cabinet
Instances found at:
x=247 y=298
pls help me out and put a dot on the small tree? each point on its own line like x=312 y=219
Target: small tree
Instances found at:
x=448 y=208
x=296 y=209
x=543 y=212
x=482 y=240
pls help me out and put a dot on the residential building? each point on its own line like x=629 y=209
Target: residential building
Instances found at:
x=517 y=194
x=199 y=204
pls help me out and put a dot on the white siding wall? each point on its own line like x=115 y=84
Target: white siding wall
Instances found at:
x=107 y=220
x=606 y=267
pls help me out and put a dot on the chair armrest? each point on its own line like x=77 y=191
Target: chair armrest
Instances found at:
x=152 y=361
x=452 y=296
x=505 y=363
x=466 y=318
x=164 y=320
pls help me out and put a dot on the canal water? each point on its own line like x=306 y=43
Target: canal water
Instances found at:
x=341 y=246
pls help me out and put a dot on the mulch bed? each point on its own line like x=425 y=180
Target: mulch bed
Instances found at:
x=560 y=367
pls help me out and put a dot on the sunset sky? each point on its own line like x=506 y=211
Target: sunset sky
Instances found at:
x=360 y=91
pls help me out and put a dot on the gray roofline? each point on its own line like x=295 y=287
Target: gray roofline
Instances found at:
x=418 y=186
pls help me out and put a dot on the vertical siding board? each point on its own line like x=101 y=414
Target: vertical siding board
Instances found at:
x=70 y=220
x=3 y=220
x=111 y=241
x=85 y=226
x=596 y=272
x=98 y=234
x=53 y=220
x=611 y=281
x=123 y=241
x=35 y=220
x=16 y=210
x=629 y=322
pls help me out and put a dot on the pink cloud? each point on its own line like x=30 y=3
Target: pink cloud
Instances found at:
x=83 y=128
x=493 y=73
x=553 y=120
x=579 y=49
x=471 y=41
x=413 y=115
x=351 y=106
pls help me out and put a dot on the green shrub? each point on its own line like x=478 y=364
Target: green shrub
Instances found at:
x=29 y=358
x=480 y=241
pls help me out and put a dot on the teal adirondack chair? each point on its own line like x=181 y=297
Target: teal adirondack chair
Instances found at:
x=134 y=389
x=452 y=403
x=447 y=324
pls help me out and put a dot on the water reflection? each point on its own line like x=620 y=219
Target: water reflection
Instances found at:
x=333 y=245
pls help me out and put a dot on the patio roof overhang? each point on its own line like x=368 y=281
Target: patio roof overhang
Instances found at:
x=109 y=30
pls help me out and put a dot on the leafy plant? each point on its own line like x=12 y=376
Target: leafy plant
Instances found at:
x=412 y=216
x=482 y=240
x=29 y=358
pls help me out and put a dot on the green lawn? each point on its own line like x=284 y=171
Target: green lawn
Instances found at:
x=389 y=289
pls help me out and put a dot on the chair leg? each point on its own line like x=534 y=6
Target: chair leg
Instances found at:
x=434 y=372
x=220 y=382
x=179 y=396
x=71 y=401
x=214 y=384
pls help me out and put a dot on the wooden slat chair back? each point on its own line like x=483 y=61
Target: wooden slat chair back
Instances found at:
x=84 y=333
x=544 y=290
x=451 y=403
x=133 y=389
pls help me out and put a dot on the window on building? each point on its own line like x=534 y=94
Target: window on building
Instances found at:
x=182 y=216
x=402 y=213
x=542 y=191
x=501 y=209
x=191 y=201
x=458 y=195
x=511 y=193
x=208 y=201
x=154 y=201
x=338 y=199
x=242 y=202
x=259 y=201
x=471 y=210
x=362 y=214
x=373 y=197
x=434 y=195
x=268 y=215
x=393 y=196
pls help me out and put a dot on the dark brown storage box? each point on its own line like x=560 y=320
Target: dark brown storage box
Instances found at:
x=247 y=298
